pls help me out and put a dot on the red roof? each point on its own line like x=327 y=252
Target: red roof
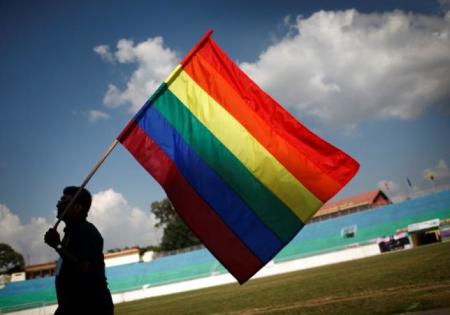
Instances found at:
x=363 y=199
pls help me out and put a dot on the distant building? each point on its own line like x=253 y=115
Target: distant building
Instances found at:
x=4 y=278
x=351 y=204
x=18 y=276
x=123 y=257
x=148 y=256
x=445 y=230
x=40 y=270
x=14 y=277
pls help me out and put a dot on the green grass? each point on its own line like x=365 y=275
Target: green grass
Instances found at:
x=412 y=280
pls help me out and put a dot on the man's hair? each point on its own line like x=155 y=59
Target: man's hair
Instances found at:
x=84 y=198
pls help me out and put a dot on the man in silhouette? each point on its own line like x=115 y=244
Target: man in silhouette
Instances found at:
x=81 y=286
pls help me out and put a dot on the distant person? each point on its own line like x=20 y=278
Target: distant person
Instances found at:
x=81 y=286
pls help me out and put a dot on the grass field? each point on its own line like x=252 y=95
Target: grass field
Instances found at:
x=406 y=281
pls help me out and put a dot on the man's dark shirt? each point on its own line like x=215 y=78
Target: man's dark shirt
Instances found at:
x=81 y=292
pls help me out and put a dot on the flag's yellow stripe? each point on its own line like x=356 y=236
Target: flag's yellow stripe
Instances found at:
x=260 y=162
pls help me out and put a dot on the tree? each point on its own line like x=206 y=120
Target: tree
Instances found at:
x=10 y=260
x=176 y=234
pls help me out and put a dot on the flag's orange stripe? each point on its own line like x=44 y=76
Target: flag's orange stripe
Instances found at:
x=329 y=159
x=318 y=183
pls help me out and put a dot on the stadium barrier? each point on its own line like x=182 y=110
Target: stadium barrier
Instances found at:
x=270 y=269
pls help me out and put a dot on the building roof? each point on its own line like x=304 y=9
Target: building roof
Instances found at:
x=38 y=267
x=52 y=264
x=364 y=199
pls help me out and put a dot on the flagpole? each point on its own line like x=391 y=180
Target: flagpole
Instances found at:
x=87 y=179
x=131 y=123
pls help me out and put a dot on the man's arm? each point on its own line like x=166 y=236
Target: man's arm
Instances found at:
x=53 y=240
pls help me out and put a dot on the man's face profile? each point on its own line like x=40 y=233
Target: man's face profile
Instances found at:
x=73 y=211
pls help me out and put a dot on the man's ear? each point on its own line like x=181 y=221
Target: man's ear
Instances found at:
x=78 y=207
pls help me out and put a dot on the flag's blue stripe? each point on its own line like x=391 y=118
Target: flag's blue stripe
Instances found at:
x=220 y=197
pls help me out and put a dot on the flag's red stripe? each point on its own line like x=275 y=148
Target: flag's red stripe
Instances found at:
x=315 y=180
x=325 y=156
x=195 y=212
x=194 y=49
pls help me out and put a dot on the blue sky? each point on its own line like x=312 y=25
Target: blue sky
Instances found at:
x=371 y=77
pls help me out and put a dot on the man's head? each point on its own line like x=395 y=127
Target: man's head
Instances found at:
x=80 y=207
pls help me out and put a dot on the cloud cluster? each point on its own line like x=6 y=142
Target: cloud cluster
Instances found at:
x=346 y=67
x=119 y=223
x=439 y=172
x=388 y=186
x=27 y=239
x=340 y=67
x=104 y=52
x=96 y=115
x=419 y=186
x=393 y=190
x=154 y=63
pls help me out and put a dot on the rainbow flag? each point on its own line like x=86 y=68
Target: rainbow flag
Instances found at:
x=242 y=172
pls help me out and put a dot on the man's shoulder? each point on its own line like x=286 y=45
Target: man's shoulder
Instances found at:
x=90 y=229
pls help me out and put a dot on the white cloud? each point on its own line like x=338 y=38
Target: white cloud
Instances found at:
x=393 y=190
x=119 y=223
x=27 y=239
x=125 y=52
x=439 y=172
x=114 y=97
x=346 y=67
x=96 y=115
x=104 y=52
x=388 y=186
x=154 y=63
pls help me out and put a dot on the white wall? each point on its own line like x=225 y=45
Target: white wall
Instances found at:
x=122 y=260
x=148 y=256
x=18 y=276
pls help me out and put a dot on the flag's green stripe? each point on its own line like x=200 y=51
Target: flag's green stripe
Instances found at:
x=280 y=219
x=244 y=146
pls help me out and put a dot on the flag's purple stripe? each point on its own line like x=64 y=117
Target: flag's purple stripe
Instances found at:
x=220 y=197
